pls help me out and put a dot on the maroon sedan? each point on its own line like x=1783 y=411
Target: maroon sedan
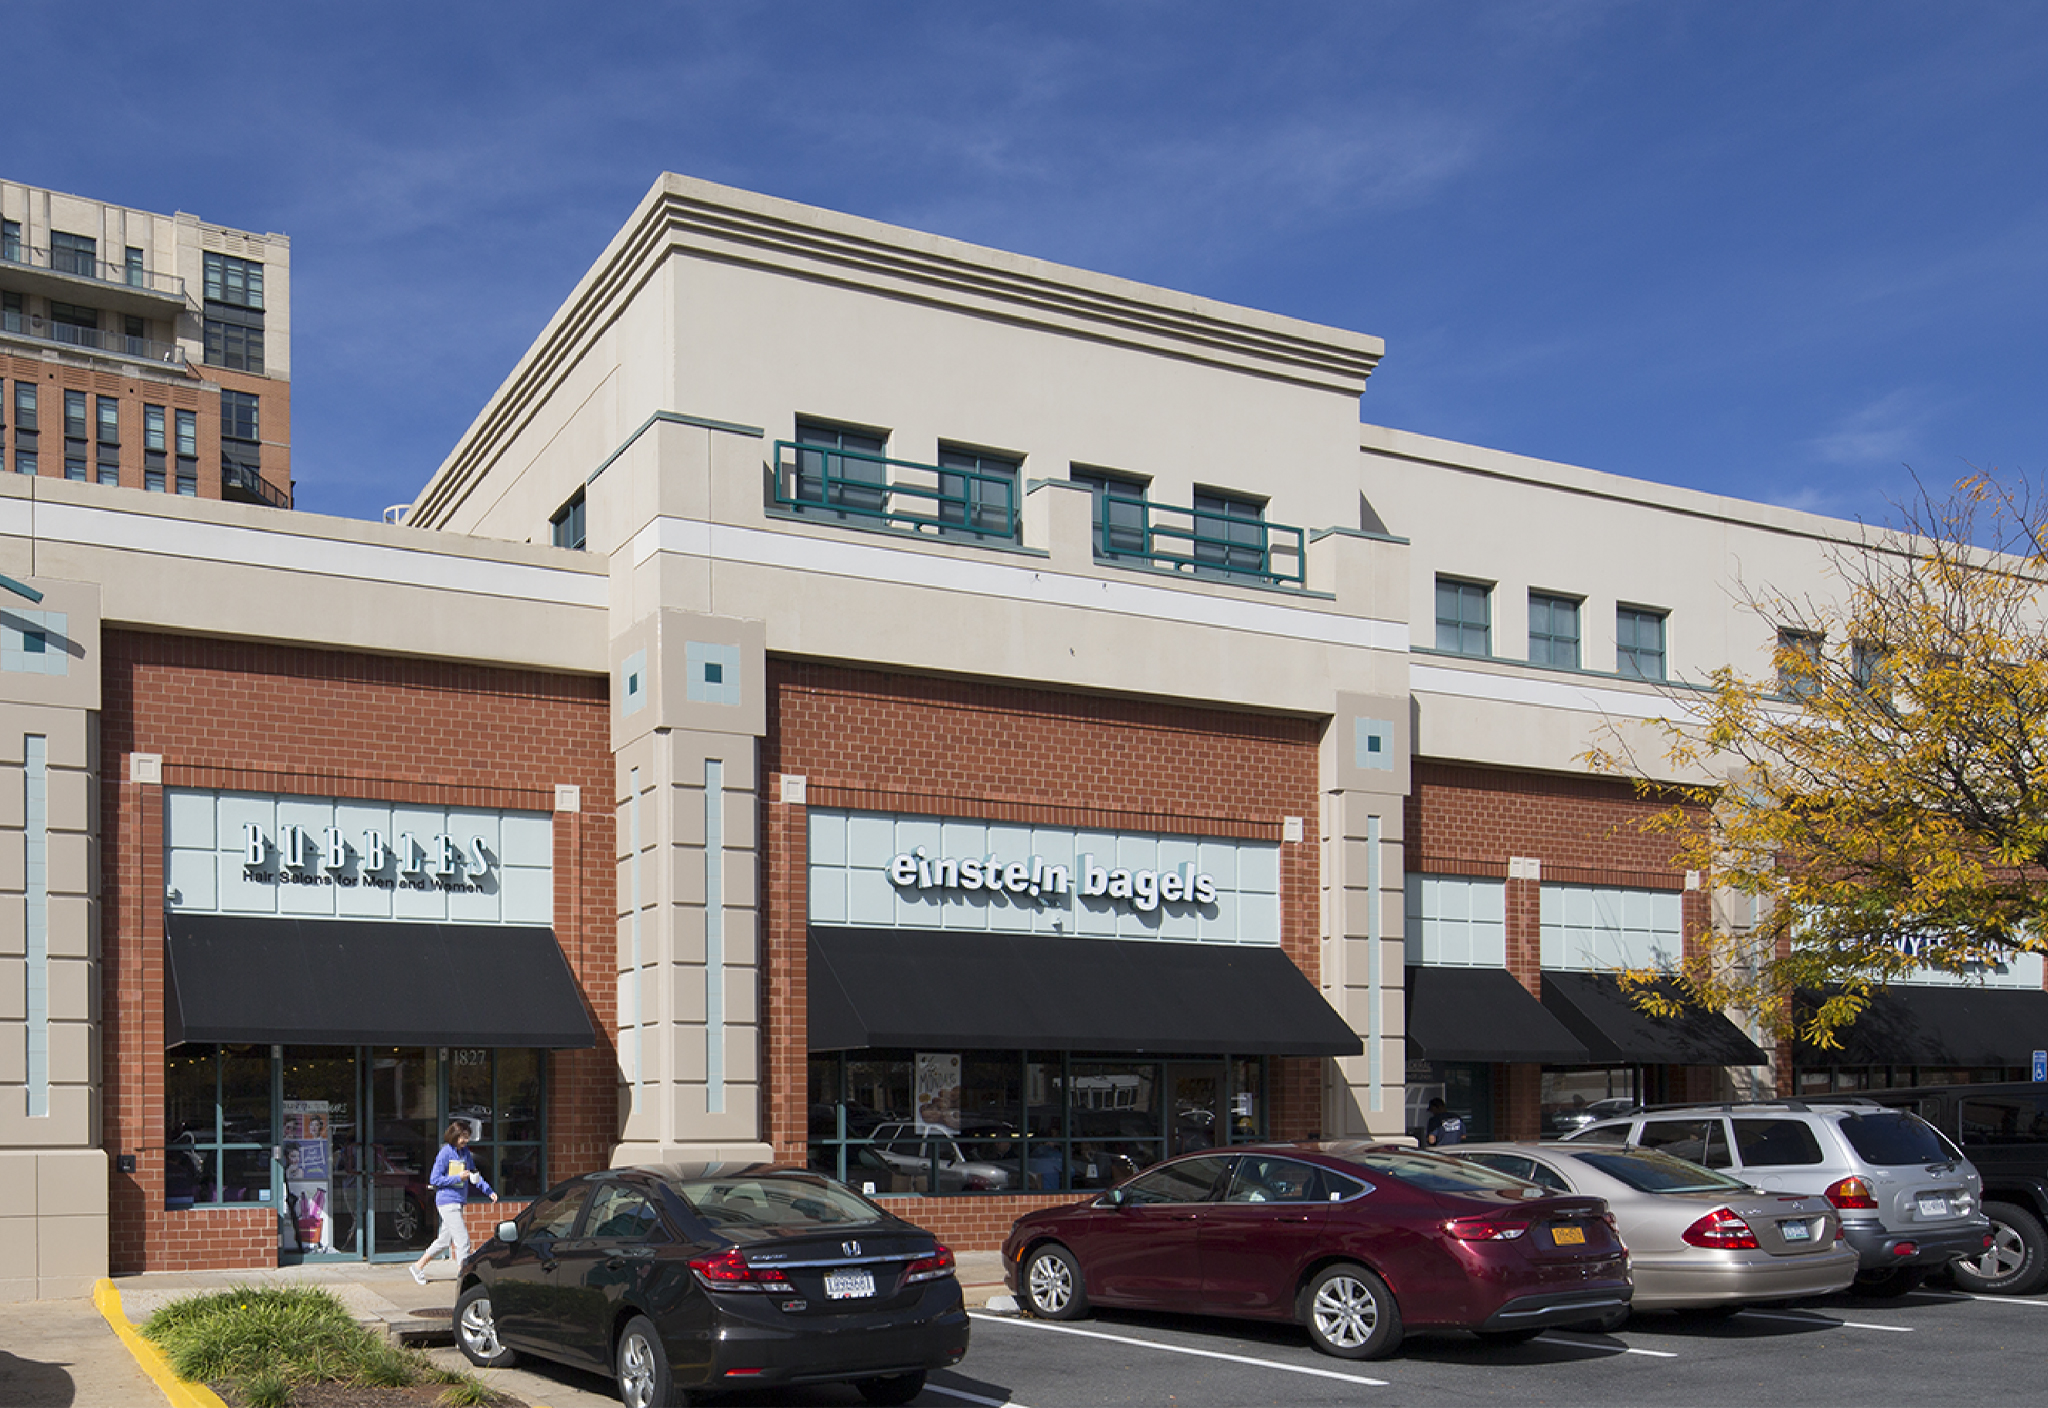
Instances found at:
x=1358 y=1242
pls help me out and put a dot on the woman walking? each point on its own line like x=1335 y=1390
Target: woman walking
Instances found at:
x=453 y=1175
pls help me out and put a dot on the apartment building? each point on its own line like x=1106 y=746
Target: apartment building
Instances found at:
x=143 y=350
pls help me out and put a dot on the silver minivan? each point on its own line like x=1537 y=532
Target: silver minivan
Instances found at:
x=1909 y=1201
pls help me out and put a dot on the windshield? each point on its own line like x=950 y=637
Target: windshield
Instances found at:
x=1445 y=1175
x=1894 y=1137
x=774 y=1202
x=1648 y=1171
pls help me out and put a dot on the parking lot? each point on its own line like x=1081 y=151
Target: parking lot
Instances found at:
x=1932 y=1346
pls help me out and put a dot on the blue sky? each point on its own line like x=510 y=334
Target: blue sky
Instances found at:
x=1776 y=251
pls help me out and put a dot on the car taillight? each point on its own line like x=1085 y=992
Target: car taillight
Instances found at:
x=1851 y=1192
x=728 y=1271
x=1485 y=1229
x=1722 y=1230
x=930 y=1268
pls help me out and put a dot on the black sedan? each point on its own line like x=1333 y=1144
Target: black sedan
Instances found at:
x=677 y=1277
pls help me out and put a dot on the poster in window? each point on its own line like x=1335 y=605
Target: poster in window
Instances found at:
x=308 y=1225
x=938 y=1089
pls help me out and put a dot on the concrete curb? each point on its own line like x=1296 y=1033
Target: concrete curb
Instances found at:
x=148 y=1357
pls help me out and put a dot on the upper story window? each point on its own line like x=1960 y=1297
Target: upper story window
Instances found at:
x=840 y=465
x=10 y=240
x=567 y=524
x=74 y=415
x=1119 y=511
x=108 y=408
x=74 y=254
x=1639 y=642
x=1799 y=661
x=234 y=339
x=133 y=266
x=1464 y=617
x=238 y=416
x=1553 y=630
x=235 y=281
x=1229 y=531
x=980 y=494
x=1868 y=668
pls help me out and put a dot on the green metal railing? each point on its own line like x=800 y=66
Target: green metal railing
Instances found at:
x=820 y=481
x=1202 y=542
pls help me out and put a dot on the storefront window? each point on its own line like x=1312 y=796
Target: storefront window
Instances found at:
x=1016 y=1121
x=1466 y=1088
x=1574 y=1098
x=217 y=1125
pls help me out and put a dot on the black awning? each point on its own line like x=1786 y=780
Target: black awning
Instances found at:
x=1617 y=1032
x=339 y=982
x=1942 y=1026
x=967 y=991
x=1482 y=1014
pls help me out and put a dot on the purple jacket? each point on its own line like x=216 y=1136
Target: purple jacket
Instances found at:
x=449 y=1190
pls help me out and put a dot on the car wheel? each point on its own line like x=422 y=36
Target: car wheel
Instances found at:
x=1889 y=1284
x=1350 y=1313
x=2016 y=1259
x=476 y=1331
x=642 y=1368
x=406 y=1221
x=895 y=1389
x=1052 y=1284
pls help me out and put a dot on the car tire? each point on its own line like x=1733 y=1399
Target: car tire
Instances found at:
x=476 y=1331
x=1888 y=1284
x=893 y=1390
x=2017 y=1259
x=640 y=1368
x=1350 y=1313
x=407 y=1219
x=1053 y=1289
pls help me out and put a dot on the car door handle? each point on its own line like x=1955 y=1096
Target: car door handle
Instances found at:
x=1184 y=1217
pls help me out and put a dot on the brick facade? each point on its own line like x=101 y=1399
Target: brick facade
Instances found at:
x=1467 y=820
x=244 y=716
x=870 y=741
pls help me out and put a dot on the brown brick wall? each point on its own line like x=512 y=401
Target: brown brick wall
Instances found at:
x=868 y=740
x=52 y=379
x=253 y=717
x=1466 y=820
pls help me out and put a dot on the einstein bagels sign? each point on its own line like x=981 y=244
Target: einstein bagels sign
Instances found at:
x=1143 y=890
x=874 y=870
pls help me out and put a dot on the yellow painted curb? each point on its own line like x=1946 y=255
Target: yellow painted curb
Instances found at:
x=181 y=1394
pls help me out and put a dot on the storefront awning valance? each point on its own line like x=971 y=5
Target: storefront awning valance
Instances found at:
x=338 y=982
x=977 y=991
x=1616 y=1032
x=1942 y=1026
x=1482 y=1014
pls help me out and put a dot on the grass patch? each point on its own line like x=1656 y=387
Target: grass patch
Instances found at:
x=266 y=1342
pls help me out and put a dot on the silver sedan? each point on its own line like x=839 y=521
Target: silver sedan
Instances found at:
x=1697 y=1239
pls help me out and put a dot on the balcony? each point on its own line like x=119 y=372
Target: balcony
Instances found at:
x=852 y=485
x=1199 y=542
x=36 y=328
x=243 y=485
x=71 y=277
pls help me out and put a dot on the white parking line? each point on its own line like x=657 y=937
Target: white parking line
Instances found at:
x=1608 y=1348
x=1183 y=1349
x=974 y=1397
x=1823 y=1320
x=2003 y=1300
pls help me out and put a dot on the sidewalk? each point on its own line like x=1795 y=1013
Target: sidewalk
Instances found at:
x=63 y=1354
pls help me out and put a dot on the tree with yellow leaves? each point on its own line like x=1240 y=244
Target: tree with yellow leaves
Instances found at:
x=1887 y=796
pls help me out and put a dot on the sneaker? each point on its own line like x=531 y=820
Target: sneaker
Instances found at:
x=418 y=1275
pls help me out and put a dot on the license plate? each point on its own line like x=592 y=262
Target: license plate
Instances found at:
x=1795 y=1231
x=1568 y=1236
x=1933 y=1207
x=849 y=1285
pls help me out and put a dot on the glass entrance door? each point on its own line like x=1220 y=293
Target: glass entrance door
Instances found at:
x=1199 y=1120
x=399 y=1144
x=321 y=1182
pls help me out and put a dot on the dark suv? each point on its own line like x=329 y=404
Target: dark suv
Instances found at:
x=2003 y=1130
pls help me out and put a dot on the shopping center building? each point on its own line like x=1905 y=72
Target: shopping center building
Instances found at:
x=968 y=725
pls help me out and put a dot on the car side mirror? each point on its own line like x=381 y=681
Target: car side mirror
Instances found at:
x=1114 y=1197
x=508 y=1231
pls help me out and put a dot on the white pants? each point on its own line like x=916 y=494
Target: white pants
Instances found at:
x=454 y=1234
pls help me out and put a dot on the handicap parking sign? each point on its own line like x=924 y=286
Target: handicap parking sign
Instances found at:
x=2041 y=1065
